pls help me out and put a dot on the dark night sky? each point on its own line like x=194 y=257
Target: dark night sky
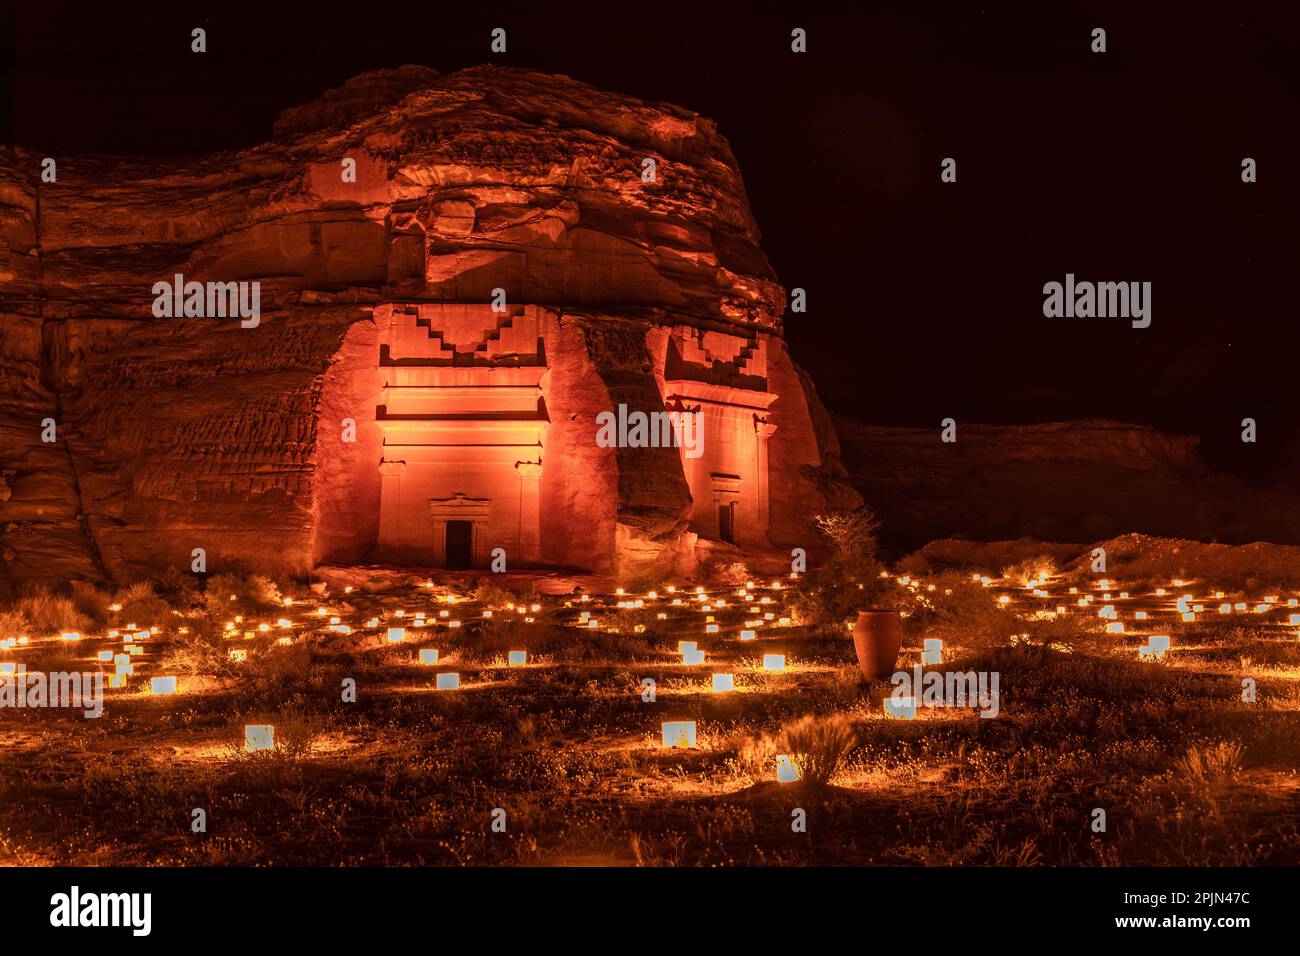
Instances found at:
x=925 y=299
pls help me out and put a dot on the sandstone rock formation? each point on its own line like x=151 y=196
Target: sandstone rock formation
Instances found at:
x=499 y=270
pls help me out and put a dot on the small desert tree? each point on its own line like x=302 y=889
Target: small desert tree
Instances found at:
x=851 y=533
x=850 y=579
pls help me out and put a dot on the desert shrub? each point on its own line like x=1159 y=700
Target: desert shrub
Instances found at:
x=14 y=623
x=831 y=595
x=501 y=632
x=1068 y=632
x=249 y=591
x=818 y=745
x=282 y=665
x=1208 y=763
x=198 y=651
x=492 y=596
x=48 y=613
x=731 y=573
x=756 y=757
x=91 y=601
x=297 y=731
x=297 y=734
x=961 y=612
x=1029 y=570
x=141 y=605
x=915 y=564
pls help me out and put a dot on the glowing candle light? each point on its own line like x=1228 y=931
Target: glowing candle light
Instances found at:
x=396 y=634
x=517 y=658
x=1225 y=608
x=684 y=646
x=773 y=662
x=679 y=733
x=710 y=629
x=106 y=656
x=116 y=680
x=259 y=737
x=1115 y=627
x=428 y=656
x=723 y=683
x=786 y=771
x=692 y=657
x=162 y=685
x=70 y=636
x=238 y=655
x=748 y=635
x=449 y=681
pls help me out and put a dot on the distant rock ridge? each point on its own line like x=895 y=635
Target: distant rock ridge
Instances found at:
x=1078 y=480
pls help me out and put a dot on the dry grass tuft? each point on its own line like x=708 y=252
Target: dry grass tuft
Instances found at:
x=819 y=745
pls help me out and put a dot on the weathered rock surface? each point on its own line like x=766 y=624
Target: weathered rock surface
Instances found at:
x=183 y=433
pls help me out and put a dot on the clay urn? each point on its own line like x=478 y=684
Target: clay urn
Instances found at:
x=877 y=637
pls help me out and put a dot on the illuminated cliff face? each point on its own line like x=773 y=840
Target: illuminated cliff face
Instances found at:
x=456 y=277
x=457 y=436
